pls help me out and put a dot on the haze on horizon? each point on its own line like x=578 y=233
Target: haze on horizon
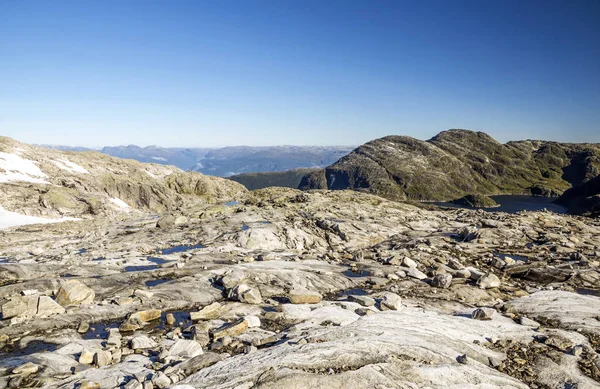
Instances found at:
x=226 y=73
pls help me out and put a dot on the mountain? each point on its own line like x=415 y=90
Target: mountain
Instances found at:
x=228 y=161
x=36 y=181
x=583 y=199
x=455 y=163
x=286 y=179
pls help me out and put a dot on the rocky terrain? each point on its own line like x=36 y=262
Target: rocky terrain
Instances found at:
x=456 y=163
x=279 y=288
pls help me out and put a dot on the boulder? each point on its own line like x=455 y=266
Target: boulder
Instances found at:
x=390 y=301
x=232 y=329
x=185 y=349
x=489 y=281
x=47 y=307
x=441 y=281
x=74 y=292
x=303 y=296
x=483 y=313
x=140 y=342
x=209 y=312
x=21 y=306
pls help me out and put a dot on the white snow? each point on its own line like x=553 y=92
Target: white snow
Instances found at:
x=15 y=168
x=70 y=166
x=119 y=203
x=13 y=219
x=159 y=158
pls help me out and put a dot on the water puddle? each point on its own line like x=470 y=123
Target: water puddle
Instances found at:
x=81 y=251
x=355 y=292
x=99 y=330
x=99 y=259
x=179 y=249
x=157 y=260
x=231 y=203
x=245 y=228
x=356 y=273
x=587 y=292
x=152 y=283
x=130 y=269
x=12 y=357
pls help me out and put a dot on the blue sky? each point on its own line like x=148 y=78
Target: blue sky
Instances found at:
x=216 y=73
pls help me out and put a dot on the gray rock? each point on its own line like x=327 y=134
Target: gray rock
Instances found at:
x=483 y=313
x=139 y=342
x=74 y=292
x=365 y=301
x=441 y=281
x=391 y=301
x=489 y=281
x=185 y=349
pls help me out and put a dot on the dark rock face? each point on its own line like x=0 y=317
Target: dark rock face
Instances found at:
x=287 y=179
x=583 y=199
x=476 y=201
x=455 y=163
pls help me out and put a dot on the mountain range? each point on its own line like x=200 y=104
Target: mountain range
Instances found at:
x=227 y=161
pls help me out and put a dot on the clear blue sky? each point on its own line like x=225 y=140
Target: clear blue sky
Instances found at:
x=215 y=73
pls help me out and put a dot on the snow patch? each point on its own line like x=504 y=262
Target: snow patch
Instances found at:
x=13 y=219
x=15 y=168
x=119 y=203
x=70 y=166
x=159 y=158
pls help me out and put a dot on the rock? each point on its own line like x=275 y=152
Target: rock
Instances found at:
x=416 y=273
x=528 y=322
x=26 y=369
x=102 y=358
x=406 y=261
x=21 y=306
x=199 y=362
x=251 y=296
x=47 y=307
x=441 y=281
x=462 y=273
x=170 y=319
x=483 y=313
x=365 y=301
x=140 y=319
x=391 y=301
x=489 y=281
x=86 y=357
x=114 y=337
x=462 y=359
x=209 y=312
x=74 y=292
x=89 y=385
x=165 y=221
x=232 y=329
x=140 y=342
x=303 y=296
x=161 y=381
x=83 y=327
x=253 y=321
x=185 y=349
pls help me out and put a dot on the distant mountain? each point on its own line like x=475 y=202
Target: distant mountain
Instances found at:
x=228 y=161
x=286 y=179
x=455 y=163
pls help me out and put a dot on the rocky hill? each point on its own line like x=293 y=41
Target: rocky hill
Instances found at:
x=583 y=199
x=36 y=181
x=286 y=179
x=455 y=163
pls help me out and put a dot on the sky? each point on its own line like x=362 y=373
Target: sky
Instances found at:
x=306 y=72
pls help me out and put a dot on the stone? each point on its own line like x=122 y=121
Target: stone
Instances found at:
x=165 y=221
x=209 y=312
x=462 y=273
x=83 y=327
x=233 y=329
x=251 y=296
x=365 y=301
x=47 y=307
x=89 y=385
x=199 y=362
x=21 y=306
x=185 y=349
x=140 y=342
x=74 y=292
x=26 y=369
x=114 y=337
x=102 y=358
x=483 y=313
x=488 y=281
x=462 y=359
x=406 y=261
x=86 y=357
x=391 y=301
x=161 y=381
x=441 y=281
x=140 y=319
x=170 y=319
x=253 y=321
x=303 y=296
x=528 y=322
x=415 y=273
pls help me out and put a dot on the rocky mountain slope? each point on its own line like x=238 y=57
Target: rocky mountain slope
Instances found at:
x=36 y=181
x=459 y=162
x=583 y=199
